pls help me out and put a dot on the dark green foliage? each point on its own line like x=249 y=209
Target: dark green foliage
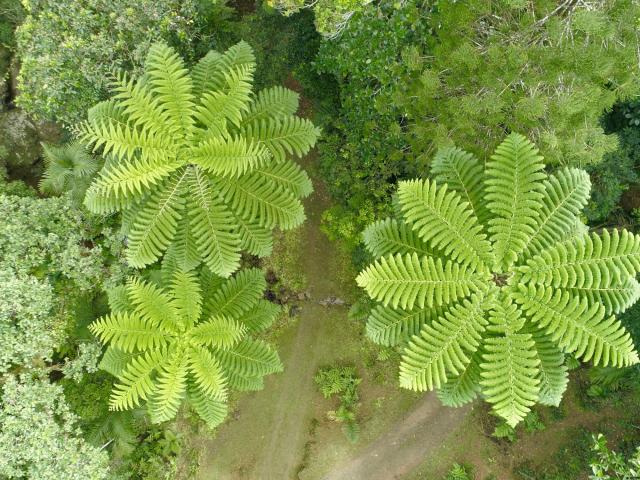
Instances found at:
x=364 y=151
x=416 y=76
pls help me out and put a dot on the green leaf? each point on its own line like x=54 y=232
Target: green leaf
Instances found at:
x=286 y=135
x=514 y=194
x=389 y=236
x=156 y=222
x=566 y=194
x=127 y=332
x=443 y=349
x=170 y=388
x=463 y=173
x=251 y=358
x=390 y=326
x=135 y=383
x=591 y=261
x=510 y=375
x=260 y=316
x=213 y=227
x=405 y=281
x=208 y=375
x=238 y=294
x=576 y=327
x=272 y=102
x=218 y=332
x=442 y=219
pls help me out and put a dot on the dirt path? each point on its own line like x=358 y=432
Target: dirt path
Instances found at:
x=266 y=440
x=403 y=448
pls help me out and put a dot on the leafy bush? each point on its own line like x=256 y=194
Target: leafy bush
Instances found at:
x=342 y=381
x=39 y=436
x=68 y=49
x=610 y=465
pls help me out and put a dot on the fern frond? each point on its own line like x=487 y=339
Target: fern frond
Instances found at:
x=250 y=358
x=153 y=305
x=187 y=296
x=596 y=260
x=462 y=388
x=514 y=194
x=256 y=197
x=230 y=102
x=389 y=236
x=286 y=135
x=170 y=387
x=246 y=384
x=107 y=111
x=444 y=348
x=510 y=375
x=552 y=370
x=463 y=173
x=157 y=221
x=289 y=176
x=172 y=86
x=207 y=374
x=184 y=249
x=577 y=327
x=239 y=55
x=213 y=230
x=212 y=411
x=254 y=238
x=127 y=332
x=229 y=157
x=203 y=72
x=135 y=383
x=121 y=184
x=566 y=194
x=405 y=281
x=615 y=299
x=126 y=142
x=390 y=326
x=273 y=102
x=118 y=299
x=260 y=316
x=218 y=332
x=135 y=105
x=442 y=219
x=114 y=361
x=237 y=294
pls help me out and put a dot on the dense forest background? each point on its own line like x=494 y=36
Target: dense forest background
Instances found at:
x=389 y=83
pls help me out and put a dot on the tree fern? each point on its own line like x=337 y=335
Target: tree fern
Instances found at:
x=198 y=164
x=166 y=347
x=489 y=281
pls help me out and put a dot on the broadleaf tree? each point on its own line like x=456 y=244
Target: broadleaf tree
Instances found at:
x=188 y=340
x=196 y=162
x=491 y=279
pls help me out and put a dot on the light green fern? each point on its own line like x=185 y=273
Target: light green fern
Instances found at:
x=198 y=164
x=167 y=346
x=491 y=280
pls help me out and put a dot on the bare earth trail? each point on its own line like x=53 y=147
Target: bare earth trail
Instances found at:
x=266 y=439
x=408 y=444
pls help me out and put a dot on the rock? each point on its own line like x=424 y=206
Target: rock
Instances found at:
x=332 y=301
